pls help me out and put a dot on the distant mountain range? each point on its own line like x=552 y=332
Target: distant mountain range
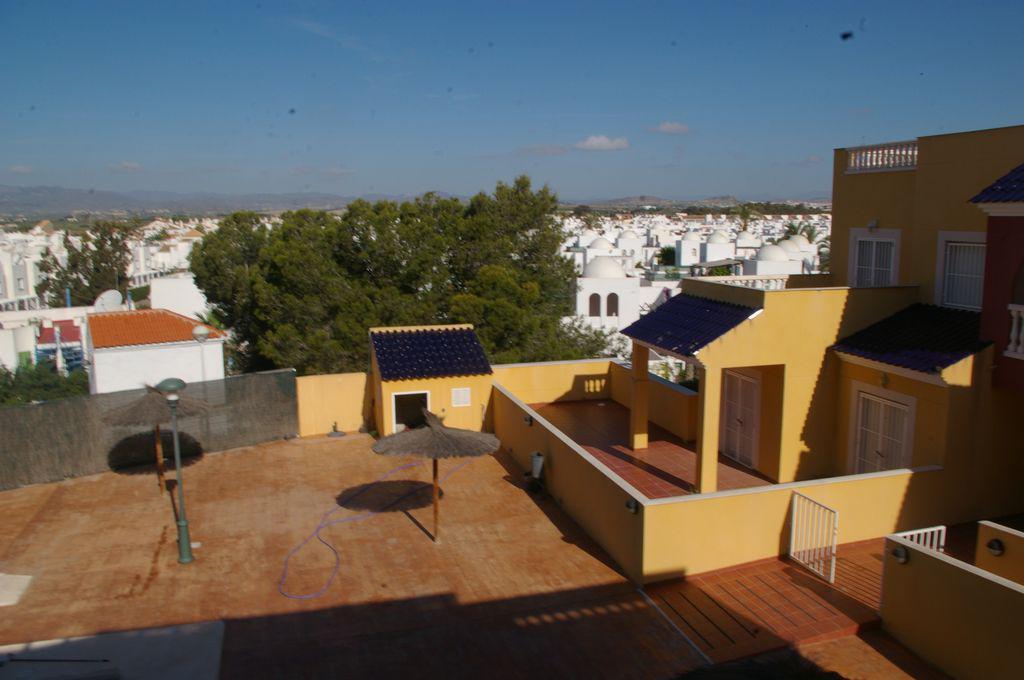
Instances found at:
x=50 y=201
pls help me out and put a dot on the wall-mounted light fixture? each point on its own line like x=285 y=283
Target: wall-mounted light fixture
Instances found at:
x=872 y=224
x=996 y=547
x=901 y=554
x=633 y=506
x=528 y=419
x=884 y=381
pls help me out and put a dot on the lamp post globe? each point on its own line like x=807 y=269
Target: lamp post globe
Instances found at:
x=170 y=387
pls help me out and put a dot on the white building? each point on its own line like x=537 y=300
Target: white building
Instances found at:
x=609 y=300
x=128 y=350
x=178 y=293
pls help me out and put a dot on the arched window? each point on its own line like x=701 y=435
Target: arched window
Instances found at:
x=613 y=304
x=595 y=304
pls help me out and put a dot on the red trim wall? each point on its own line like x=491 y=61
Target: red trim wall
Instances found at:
x=1004 y=256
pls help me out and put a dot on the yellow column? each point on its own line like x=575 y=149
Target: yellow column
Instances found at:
x=638 y=410
x=709 y=406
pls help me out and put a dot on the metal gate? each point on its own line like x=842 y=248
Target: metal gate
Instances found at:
x=813 y=531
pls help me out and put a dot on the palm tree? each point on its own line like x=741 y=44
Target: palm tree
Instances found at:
x=825 y=255
x=745 y=212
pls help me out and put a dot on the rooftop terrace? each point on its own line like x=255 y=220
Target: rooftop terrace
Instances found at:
x=513 y=581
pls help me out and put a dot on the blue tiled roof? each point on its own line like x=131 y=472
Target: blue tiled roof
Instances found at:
x=1007 y=189
x=920 y=337
x=428 y=353
x=685 y=323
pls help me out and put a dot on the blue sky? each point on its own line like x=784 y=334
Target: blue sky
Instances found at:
x=680 y=99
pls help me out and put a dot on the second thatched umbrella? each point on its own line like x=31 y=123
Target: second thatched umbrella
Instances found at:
x=436 y=441
x=150 y=410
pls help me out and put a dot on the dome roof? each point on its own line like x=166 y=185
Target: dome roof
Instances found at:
x=604 y=267
x=692 y=236
x=629 y=233
x=770 y=253
x=789 y=246
x=800 y=240
x=600 y=243
x=719 y=237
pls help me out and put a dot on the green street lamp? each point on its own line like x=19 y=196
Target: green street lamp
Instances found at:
x=170 y=387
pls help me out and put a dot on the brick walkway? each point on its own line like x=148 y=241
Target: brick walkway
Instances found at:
x=765 y=605
x=665 y=468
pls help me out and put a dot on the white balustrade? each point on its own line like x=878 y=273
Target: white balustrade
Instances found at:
x=882 y=157
x=933 y=538
x=1015 y=345
x=761 y=282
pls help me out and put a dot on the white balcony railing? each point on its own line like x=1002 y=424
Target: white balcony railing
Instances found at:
x=882 y=157
x=761 y=282
x=1015 y=346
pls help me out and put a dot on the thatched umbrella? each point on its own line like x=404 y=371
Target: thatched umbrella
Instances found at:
x=150 y=410
x=436 y=441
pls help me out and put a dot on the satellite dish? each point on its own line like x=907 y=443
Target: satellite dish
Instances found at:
x=108 y=301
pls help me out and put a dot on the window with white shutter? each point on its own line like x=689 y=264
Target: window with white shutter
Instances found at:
x=882 y=437
x=963 y=275
x=875 y=259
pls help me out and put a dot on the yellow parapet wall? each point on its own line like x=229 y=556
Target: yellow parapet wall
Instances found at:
x=694 y=534
x=1010 y=564
x=323 y=400
x=672 y=407
x=556 y=380
x=592 y=496
x=960 y=618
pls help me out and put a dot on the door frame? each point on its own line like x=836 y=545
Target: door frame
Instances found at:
x=754 y=376
x=394 y=406
x=907 y=401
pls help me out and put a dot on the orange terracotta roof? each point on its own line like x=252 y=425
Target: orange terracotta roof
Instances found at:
x=142 y=327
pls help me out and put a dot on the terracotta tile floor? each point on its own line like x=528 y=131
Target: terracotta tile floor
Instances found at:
x=871 y=655
x=752 y=608
x=515 y=588
x=665 y=468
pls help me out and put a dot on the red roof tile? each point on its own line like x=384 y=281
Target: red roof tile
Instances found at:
x=142 y=327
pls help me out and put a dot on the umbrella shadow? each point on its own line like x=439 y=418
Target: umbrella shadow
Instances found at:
x=400 y=495
x=136 y=454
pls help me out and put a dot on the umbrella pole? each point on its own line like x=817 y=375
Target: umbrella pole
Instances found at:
x=437 y=529
x=159 y=459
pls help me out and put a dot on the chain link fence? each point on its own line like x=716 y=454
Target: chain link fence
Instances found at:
x=66 y=438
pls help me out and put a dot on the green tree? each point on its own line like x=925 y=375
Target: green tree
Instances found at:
x=224 y=263
x=667 y=255
x=304 y=294
x=100 y=262
x=40 y=382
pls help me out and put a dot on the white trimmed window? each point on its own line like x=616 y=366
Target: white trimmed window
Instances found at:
x=461 y=396
x=963 y=274
x=882 y=435
x=875 y=259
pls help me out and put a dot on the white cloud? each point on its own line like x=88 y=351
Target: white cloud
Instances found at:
x=670 y=127
x=20 y=169
x=602 y=143
x=125 y=166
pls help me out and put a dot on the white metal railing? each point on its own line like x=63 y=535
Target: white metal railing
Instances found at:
x=813 y=533
x=1015 y=345
x=933 y=538
x=762 y=281
x=882 y=157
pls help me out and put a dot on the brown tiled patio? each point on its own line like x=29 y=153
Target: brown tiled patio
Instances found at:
x=515 y=589
x=667 y=467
